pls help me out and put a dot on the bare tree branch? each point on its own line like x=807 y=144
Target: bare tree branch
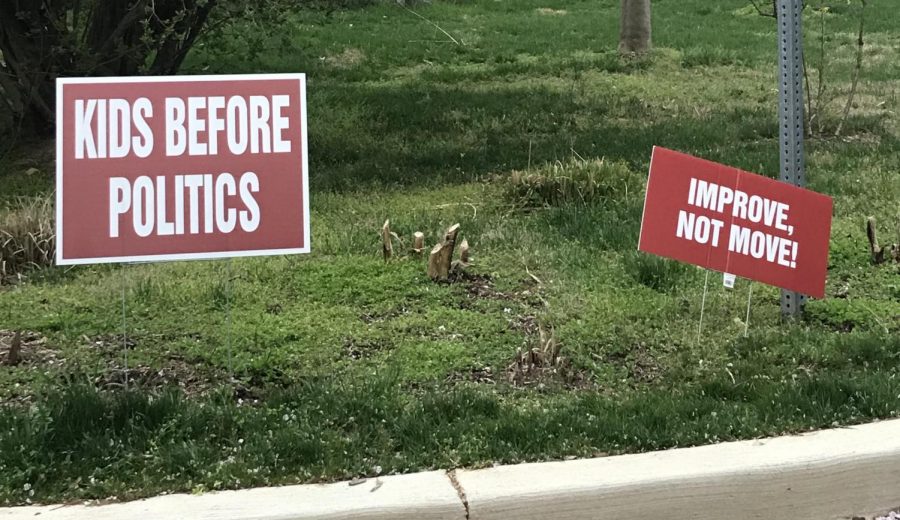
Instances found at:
x=758 y=6
x=860 y=45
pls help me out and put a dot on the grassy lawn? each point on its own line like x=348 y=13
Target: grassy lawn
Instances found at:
x=334 y=365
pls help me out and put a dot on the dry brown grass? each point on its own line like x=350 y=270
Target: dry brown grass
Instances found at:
x=27 y=238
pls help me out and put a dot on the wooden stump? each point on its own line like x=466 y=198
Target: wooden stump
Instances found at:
x=881 y=254
x=387 y=248
x=12 y=357
x=418 y=242
x=464 y=252
x=460 y=265
x=442 y=255
x=875 y=248
x=895 y=250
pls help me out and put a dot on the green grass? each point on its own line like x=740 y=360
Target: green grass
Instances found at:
x=81 y=445
x=342 y=362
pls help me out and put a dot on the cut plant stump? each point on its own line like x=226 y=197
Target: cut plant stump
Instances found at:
x=895 y=250
x=442 y=255
x=463 y=262
x=418 y=243
x=541 y=360
x=387 y=247
x=875 y=249
x=880 y=254
x=15 y=347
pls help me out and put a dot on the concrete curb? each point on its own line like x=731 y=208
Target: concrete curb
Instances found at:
x=427 y=496
x=832 y=474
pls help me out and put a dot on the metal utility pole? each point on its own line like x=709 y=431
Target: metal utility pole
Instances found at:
x=791 y=115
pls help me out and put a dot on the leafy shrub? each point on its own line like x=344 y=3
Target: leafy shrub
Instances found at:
x=573 y=182
x=27 y=238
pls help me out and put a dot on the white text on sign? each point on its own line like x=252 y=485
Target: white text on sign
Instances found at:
x=742 y=240
x=195 y=126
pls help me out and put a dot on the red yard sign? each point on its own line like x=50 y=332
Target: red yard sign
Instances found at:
x=736 y=222
x=181 y=168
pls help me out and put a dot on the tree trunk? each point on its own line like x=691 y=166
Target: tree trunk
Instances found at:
x=28 y=87
x=114 y=30
x=172 y=51
x=635 y=27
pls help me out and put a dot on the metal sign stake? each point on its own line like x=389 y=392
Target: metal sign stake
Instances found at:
x=124 y=324
x=791 y=115
x=747 y=319
x=230 y=295
x=703 y=307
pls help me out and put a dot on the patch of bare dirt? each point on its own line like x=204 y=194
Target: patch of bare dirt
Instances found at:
x=478 y=285
x=357 y=349
x=112 y=342
x=640 y=362
x=33 y=351
x=173 y=372
x=377 y=317
x=644 y=366
x=481 y=286
x=473 y=375
x=540 y=362
x=32 y=354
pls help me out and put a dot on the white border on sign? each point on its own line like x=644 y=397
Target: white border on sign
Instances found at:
x=212 y=255
x=646 y=193
x=59 y=172
x=305 y=159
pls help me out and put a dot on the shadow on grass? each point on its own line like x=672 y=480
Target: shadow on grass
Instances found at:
x=423 y=134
